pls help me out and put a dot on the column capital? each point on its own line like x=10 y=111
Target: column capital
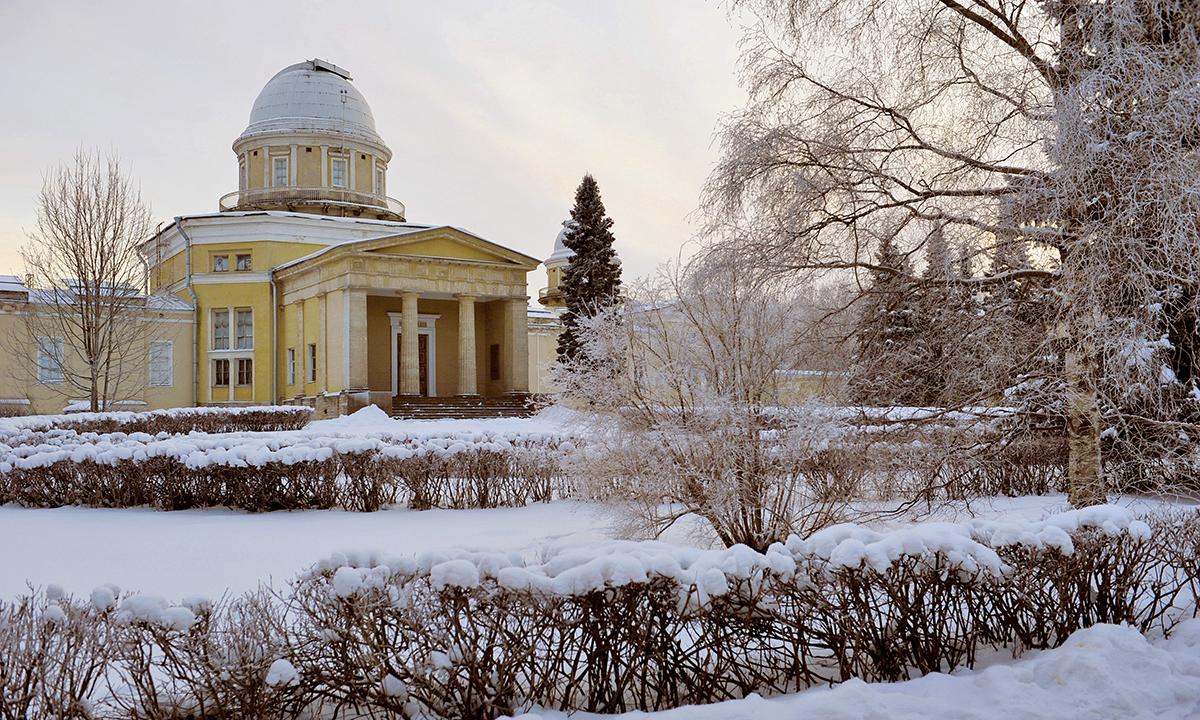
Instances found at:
x=466 y=296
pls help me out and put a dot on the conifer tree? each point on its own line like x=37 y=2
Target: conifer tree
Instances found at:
x=887 y=368
x=936 y=318
x=591 y=280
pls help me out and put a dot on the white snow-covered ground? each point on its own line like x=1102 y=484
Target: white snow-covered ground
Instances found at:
x=209 y=552
x=372 y=421
x=1106 y=672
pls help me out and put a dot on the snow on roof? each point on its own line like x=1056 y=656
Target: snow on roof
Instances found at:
x=541 y=312
x=12 y=283
x=46 y=296
x=283 y=214
x=167 y=302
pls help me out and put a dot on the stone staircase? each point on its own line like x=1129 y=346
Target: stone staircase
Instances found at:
x=435 y=408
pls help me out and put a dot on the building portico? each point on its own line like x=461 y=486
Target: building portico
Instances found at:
x=433 y=312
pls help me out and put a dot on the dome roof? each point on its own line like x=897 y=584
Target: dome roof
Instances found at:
x=561 y=253
x=312 y=96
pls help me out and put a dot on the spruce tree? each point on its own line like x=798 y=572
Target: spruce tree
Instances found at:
x=591 y=280
x=936 y=318
x=887 y=368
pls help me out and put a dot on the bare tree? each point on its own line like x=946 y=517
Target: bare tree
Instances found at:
x=692 y=365
x=1065 y=129
x=87 y=320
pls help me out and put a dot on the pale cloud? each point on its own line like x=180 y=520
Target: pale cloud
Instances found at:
x=493 y=110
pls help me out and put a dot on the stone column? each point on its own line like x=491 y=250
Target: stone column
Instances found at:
x=410 y=371
x=466 y=346
x=355 y=349
x=518 y=309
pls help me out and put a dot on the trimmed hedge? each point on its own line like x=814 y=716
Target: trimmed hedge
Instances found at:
x=605 y=628
x=173 y=421
x=257 y=473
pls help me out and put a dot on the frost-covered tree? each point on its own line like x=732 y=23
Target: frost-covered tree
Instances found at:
x=694 y=360
x=1073 y=125
x=591 y=280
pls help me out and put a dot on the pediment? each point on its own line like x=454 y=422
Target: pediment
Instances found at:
x=447 y=244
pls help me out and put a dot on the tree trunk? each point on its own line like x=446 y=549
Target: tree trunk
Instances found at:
x=1085 y=481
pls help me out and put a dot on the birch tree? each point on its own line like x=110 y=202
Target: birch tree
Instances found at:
x=1065 y=129
x=87 y=322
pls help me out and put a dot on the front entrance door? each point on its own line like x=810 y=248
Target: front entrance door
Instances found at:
x=423 y=362
x=426 y=354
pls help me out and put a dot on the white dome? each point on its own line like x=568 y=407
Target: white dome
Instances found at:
x=312 y=96
x=562 y=254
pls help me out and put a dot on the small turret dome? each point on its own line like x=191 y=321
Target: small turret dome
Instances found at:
x=312 y=96
x=562 y=254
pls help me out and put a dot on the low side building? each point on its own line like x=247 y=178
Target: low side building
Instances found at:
x=155 y=373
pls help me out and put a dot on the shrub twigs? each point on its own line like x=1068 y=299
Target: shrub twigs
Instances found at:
x=605 y=628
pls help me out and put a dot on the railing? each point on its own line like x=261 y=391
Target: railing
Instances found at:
x=257 y=197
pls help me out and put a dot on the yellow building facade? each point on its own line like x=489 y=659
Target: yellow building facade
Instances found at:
x=158 y=375
x=309 y=285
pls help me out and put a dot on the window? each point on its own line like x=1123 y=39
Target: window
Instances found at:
x=245 y=328
x=50 y=360
x=494 y=362
x=312 y=362
x=279 y=166
x=339 y=172
x=220 y=329
x=161 y=364
x=221 y=372
x=291 y=366
x=245 y=368
x=379 y=181
x=242 y=262
x=220 y=263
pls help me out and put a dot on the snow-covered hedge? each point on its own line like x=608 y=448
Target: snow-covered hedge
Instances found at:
x=173 y=421
x=289 y=471
x=608 y=627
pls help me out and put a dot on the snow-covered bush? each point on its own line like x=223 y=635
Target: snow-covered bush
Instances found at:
x=261 y=472
x=620 y=626
x=54 y=653
x=200 y=659
x=173 y=421
x=604 y=627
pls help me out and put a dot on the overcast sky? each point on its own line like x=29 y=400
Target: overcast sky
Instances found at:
x=493 y=110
